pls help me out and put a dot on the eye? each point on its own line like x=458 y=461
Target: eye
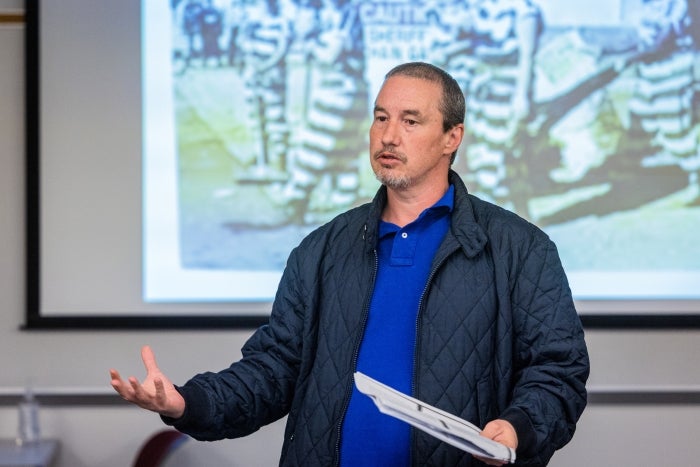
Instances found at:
x=380 y=118
x=411 y=122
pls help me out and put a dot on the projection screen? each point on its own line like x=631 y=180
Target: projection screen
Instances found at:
x=178 y=151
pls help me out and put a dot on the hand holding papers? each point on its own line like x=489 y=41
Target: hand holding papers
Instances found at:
x=436 y=422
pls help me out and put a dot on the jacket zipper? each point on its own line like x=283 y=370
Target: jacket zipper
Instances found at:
x=418 y=326
x=414 y=379
x=348 y=392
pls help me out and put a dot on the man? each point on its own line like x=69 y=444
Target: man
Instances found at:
x=505 y=36
x=324 y=176
x=428 y=289
x=190 y=26
x=661 y=105
x=265 y=42
x=211 y=26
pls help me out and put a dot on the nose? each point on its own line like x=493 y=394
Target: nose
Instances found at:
x=390 y=134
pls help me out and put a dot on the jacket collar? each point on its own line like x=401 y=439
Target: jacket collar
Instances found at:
x=467 y=231
x=464 y=226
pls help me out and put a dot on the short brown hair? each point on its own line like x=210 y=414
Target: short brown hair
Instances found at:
x=452 y=105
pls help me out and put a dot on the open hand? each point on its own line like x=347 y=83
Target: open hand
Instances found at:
x=156 y=393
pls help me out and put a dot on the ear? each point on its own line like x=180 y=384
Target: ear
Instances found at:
x=453 y=138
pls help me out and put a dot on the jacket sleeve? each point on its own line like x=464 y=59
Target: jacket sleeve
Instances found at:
x=551 y=363
x=258 y=389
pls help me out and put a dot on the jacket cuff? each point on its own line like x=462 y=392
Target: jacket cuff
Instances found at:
x=196 y=407
x=527 y=437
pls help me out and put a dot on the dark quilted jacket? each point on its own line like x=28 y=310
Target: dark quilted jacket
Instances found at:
x=497 y=337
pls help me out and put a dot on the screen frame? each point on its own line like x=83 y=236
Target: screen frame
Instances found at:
x=34 y=318
x=602 y=318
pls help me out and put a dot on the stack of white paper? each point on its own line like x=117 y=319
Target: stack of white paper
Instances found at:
x=442 y=425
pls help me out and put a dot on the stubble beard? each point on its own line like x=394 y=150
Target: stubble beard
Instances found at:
x=395 y=182
x=387 y=176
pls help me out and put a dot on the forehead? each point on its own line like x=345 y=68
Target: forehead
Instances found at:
x=404 y=93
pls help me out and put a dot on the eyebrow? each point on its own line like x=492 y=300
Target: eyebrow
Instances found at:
x=415 y=113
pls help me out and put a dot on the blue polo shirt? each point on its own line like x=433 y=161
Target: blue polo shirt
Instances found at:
x=368 y=437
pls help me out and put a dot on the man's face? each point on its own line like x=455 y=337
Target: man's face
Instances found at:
x=407 y=144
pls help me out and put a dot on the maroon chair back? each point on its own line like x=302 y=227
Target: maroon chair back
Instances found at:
x=157 y=448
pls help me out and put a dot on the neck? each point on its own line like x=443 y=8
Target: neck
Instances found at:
x=404 y=206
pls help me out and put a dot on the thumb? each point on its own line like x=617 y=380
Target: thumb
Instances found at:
x=149 y=359
x=501 y=431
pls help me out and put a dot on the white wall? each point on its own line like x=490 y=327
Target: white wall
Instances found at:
x=640 y=434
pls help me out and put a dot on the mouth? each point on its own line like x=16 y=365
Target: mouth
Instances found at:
x=388 y=156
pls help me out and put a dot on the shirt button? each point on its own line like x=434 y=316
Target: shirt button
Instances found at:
x=404 y=235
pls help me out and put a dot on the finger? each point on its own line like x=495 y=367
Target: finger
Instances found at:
x=116 y=381
x=114 y=375
x=489 y=461
x=135 y=383
x=160 y=391
x=136 y=387
x=123 y=389
x=488 y=431
x=139 y=394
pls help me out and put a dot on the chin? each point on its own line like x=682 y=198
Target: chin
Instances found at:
x=393 y=181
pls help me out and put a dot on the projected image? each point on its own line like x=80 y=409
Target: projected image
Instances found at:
x=580 y=117
x=272 y=113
